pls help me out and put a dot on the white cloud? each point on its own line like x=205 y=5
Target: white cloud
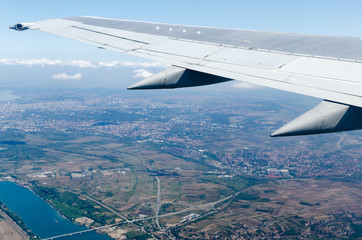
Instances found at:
x=142 y=73
x=30 y=62
x=246 y=85
x=142 y=64
x=79 y=63
x=65 y=76
x=111 y=64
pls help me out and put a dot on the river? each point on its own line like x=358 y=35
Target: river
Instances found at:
x=38 y=215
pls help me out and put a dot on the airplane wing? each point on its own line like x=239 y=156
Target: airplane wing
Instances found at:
x=326 y=67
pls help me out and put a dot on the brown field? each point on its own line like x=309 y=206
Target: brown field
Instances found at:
x=288 y=202
x=9 y=230
x=124 y=177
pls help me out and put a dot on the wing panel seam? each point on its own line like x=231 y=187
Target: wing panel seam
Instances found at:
x=110 y=35
x=234 y=64
x=284 y=82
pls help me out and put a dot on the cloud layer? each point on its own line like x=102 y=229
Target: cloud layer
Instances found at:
x=78 y=63
x=65 y=76
x=246 y=85
x=141 y=73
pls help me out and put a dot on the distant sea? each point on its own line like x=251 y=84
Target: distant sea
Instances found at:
x=38 y=215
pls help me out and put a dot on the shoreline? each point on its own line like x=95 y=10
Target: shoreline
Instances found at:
x=60 y=213
x=51 y=205
x=13 y=223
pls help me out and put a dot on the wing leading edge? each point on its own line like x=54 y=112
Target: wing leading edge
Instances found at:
x=326 y=67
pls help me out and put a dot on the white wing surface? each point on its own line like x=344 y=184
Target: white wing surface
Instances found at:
x=326 y=67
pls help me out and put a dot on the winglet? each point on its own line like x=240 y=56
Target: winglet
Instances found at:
x=20 y=26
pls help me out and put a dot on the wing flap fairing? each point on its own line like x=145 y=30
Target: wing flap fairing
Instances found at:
x=176 y=77
x=326 y=117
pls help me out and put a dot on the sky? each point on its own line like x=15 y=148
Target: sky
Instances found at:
x=66 y=59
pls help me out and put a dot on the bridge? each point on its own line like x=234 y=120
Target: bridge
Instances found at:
x=70 y=234
x=81 y=232
x=95 y=229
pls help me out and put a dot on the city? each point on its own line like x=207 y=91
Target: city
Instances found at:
x=181 y=166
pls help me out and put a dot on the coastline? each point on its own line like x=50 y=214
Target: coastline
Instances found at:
x=31 y=187
x=59 y=211
x=50 y=204
x=20 y=225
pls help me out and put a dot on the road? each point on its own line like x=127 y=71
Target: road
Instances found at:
x=202 y=206
x=158 y=203
x=159 y=200
x=205 y=207
x=99 y=203
x=109 y=209
x=338 y=145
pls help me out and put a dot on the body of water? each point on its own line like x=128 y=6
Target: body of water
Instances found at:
x=38 y=215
